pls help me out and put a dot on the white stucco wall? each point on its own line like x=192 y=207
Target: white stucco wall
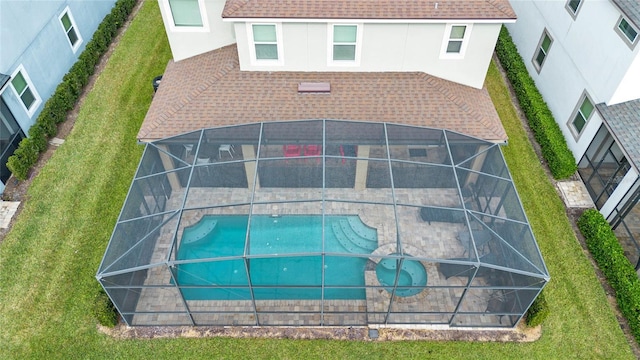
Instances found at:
x=586 y=54
x=186 y=42
x=384 y=47
x=629 y=87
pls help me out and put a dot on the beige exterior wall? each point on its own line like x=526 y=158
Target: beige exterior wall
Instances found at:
x=191 y=41
x=384 y=47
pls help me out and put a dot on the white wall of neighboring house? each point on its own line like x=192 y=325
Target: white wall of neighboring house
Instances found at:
x=629 y=87
x=384 y=47
x=587 y=54
x=191 y=41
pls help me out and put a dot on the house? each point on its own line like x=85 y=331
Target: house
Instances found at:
x=41 y=40
x=585 y=59
x=324 y=162
x=222 y=49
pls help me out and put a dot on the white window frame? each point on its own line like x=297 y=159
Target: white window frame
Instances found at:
x=358 y=45
x=74 y=26
x=537 y=66
x=177 y=28
x=252 y=46
x=631 y=43
x=447 y=37
x=584 y=96
x=36 y=96
x=573 y=14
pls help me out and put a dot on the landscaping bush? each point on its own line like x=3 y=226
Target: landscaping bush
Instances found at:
x=104 y=310
x=608 y=253
x=545 y=129
x=538 y=311
x=68 y=91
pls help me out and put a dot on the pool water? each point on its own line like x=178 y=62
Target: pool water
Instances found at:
x=286 y=239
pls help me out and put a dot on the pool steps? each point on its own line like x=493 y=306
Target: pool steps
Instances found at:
x=355 y=236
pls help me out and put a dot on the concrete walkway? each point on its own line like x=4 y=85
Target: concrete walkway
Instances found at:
x=7 y=210
x=575 y=194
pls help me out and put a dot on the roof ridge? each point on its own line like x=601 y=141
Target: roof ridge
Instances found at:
x=437 y=83
x=231 y=6
x=502 y=7
x=166 y=115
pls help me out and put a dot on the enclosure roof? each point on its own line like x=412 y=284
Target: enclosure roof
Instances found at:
x=209 y=90
x=622 y=120
x=370 y=9
x=402 y=174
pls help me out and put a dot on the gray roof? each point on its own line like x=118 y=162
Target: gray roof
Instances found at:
x=631 y=9
x=623 y=121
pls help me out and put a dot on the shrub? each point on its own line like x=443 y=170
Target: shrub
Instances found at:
x=538 y=311
x=66 y=94
x=609 y=255
x=104 y=310
x=23 y=158
x=545 y=129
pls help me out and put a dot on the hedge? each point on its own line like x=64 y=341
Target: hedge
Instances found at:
x=608 y=253
x=104 y=311
x=68 y=91
x=546 y=130
x=538 y=311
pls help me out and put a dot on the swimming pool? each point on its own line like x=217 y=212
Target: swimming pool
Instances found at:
x=285 y=241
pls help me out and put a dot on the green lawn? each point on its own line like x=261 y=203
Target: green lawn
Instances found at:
x=48 y=261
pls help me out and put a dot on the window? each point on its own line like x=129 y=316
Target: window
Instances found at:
x=543 y=50
x=582 y=114
x=266 y=44
x=344 y=44
x=455 y=41
x=24 y=89
x=70 y=28
x=573 y=6
x=628 y=32
x=187 y=15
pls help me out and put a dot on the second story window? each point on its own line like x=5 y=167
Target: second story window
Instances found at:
x=628 y=31
x=24 y=89
x=573 y=6
x=265 y=41
x=344 y=44
x=186 y=13
x=70 y=28
x=265 y=44
x=455 y=41
x=543 y=49
x=582 y=114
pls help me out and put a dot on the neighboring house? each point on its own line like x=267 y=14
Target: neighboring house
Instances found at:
x=40 y=41
x=585 y=59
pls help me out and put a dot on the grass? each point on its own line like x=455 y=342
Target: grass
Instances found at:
x=49 y=259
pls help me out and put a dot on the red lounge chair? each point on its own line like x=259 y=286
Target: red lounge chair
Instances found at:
x=313 y=150
x=291 y=150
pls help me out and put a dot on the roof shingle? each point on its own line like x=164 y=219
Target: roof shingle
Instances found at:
x=369 y=9
x=209 y=90
x=622 y=120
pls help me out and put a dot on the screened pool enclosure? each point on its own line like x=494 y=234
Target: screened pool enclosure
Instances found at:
x=322 y=223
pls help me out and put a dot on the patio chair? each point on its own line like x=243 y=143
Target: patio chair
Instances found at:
x=291 y=150
x=313 y=150
x=226 y=147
